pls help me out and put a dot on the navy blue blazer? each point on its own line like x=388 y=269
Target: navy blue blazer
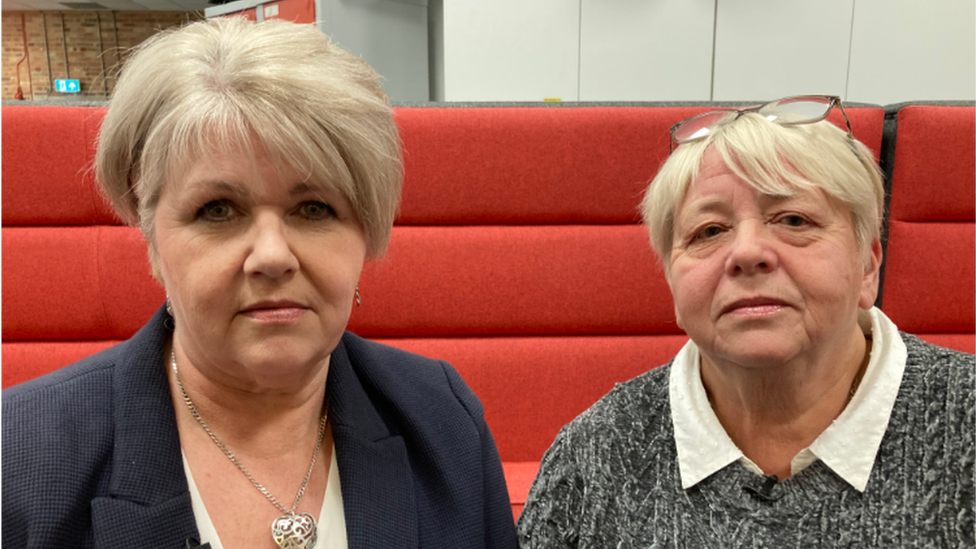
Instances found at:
x=91 y=453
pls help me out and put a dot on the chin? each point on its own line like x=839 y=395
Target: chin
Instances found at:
x=756 y=350
x=758 y=360
x=288 y=357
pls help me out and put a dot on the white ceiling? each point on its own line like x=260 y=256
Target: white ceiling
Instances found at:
x=114 y=5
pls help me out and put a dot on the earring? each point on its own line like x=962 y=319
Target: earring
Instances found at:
x=168 y=321
x=359 y=300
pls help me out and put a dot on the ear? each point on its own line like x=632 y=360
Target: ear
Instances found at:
x=871 y=278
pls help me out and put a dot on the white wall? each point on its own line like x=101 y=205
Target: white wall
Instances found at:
x=905 y=50
x=875 y=51
x=390 y=35
x=635 y=50
x=769 y=49
x=511 y=50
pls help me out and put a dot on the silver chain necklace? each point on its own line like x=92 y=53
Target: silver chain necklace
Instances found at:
x=290 y=530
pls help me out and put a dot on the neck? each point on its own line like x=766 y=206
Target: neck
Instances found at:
x=773 y=413
x=253 y=420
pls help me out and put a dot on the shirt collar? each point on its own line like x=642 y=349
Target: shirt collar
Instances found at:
x=848 y=446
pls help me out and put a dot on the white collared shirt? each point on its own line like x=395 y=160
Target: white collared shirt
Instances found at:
x=331 y=519
x=848 y=446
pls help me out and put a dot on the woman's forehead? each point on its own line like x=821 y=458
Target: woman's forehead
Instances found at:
x=774 y=180
x=241 y=167
x=723 y=191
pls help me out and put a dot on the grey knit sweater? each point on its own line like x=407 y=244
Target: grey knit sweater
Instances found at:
x=611 y=479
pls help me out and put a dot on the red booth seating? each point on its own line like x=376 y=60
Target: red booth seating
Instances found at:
x=930 y=272
x=517 y=256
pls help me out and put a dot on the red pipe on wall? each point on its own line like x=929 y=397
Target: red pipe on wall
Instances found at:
x=30 y=79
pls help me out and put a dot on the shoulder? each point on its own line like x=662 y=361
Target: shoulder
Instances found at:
x=595 y=456
x=75 y=400
x=417 y=384
x=936 y=403
x=457 y=475
x=631 y=421
x=923 y=352
x=616 y=434
x=370 y=352
x=85 y=384
x=630 y=413
x=58 y=440
x=931 y=431
x=941 y=368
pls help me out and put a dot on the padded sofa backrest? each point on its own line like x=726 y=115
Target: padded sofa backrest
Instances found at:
x=930 y=264
x=517 y=255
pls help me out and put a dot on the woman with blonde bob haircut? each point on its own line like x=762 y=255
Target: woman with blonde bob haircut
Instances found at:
x=797 y=415
x=323 y=114
x=262 y=165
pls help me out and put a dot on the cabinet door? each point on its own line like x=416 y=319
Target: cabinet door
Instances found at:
x=903 y=50
x=635 y=50
x=511 y=50
x=765 y=50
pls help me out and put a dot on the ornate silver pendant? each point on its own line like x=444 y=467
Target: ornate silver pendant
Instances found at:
x=293 y=531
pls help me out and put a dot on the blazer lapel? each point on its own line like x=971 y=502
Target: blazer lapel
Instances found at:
x=149 y=503
x=377 y=482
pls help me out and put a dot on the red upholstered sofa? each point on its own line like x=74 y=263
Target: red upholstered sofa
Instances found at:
x=929 y=270
x=517 y=255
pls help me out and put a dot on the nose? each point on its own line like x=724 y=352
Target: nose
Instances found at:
x=750 y=250
x=270 y=253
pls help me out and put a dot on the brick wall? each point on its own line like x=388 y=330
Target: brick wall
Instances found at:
x=94 y=64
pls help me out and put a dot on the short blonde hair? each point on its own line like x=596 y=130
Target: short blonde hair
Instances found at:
x=227 y=83
x=776 y=160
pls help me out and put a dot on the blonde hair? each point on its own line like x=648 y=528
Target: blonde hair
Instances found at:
x=776 y=160
x=227 y=83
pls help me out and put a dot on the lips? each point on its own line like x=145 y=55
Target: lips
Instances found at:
x=275 y=312
x=754 y=306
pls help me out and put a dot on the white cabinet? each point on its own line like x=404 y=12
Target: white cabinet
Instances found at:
x=511 y=50
x=635 y=50
x=765 y=50
x=906 y=50
x=875 y=51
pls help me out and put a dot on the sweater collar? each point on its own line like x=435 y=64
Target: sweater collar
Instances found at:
x=848 y=446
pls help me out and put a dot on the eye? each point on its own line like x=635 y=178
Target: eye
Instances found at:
x=793 y=220
x=217 y=210
x=315 y=210
x=707 y=232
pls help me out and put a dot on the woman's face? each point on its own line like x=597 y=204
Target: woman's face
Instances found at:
x=261 y=266
x=760 y=280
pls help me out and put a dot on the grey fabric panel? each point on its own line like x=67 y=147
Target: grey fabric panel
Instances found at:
x=576 y=104
x=486 y=104
x=895 y=107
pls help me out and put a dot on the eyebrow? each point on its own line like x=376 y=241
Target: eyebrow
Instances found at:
x=707 y=205
x=306 y=188
x=719 y=205
x=219 y=185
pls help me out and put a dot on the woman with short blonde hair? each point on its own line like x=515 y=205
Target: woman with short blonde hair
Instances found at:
x=262 y=165
x=797 y=415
